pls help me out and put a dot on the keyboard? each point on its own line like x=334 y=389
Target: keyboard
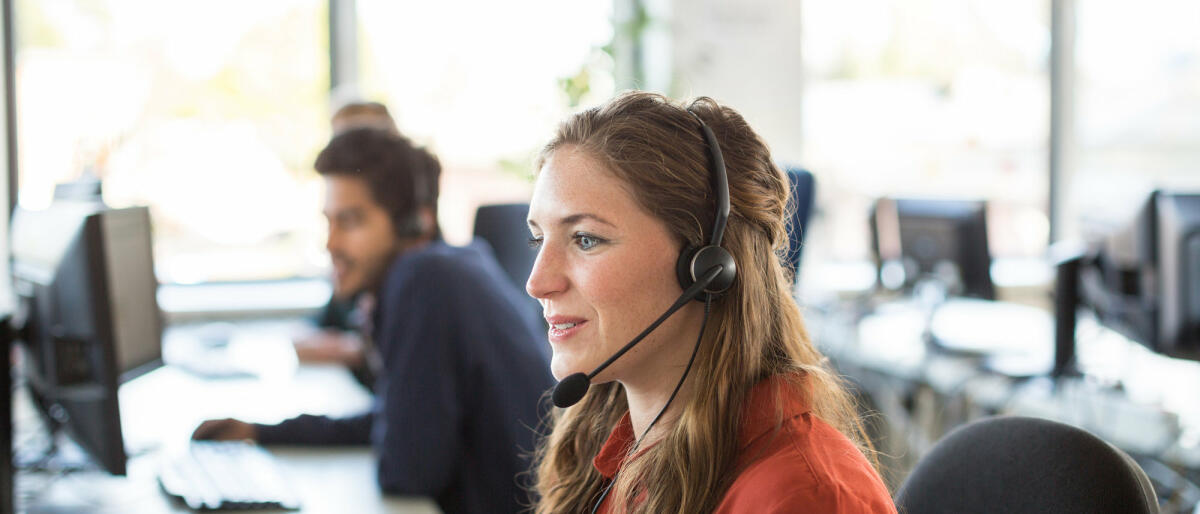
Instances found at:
x=219 y=475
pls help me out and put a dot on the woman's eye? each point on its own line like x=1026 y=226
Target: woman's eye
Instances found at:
x=587 y=242
x=535 y=242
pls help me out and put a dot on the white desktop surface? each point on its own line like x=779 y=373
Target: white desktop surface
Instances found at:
x=160 y=409
x=990 y=327
x=327 y=480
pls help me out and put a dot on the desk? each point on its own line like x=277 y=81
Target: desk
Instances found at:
x=326 y=479
x=159 y=411
x=1140 y=402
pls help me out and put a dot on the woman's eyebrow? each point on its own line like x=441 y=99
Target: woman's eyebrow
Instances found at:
x=575 y=218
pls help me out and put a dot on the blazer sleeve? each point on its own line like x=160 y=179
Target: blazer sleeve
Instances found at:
x=318 y=430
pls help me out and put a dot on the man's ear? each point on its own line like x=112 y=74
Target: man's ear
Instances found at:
x=427 y=220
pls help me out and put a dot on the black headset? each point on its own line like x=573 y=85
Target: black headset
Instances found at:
x=695 y=261
x=411 y=223
x=703 y=272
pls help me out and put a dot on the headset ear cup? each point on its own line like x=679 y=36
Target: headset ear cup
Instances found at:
x=712 y=256
x=409 y=226
x=696 y=261
x=683 y=267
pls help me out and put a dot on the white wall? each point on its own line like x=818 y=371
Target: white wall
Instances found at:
x=745 y=54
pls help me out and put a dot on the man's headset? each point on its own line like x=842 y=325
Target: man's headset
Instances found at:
x=412 y=223
x=702 y=272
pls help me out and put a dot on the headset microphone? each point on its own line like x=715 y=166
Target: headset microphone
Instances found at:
x=571 y=389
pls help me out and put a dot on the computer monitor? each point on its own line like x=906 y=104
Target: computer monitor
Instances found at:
x=1179 y=271
x=87 y=315
x=940 y=239
x=1142 y=280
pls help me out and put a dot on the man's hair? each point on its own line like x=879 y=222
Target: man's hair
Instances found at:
x=362 y=114
x=400 y=176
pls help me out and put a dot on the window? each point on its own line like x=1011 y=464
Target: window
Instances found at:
x=1137 y=108
x=927 y=98
x=483 y=85
x=210 y=113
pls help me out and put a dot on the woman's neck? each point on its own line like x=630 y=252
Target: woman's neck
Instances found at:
x=648 y=396
x=649 y=385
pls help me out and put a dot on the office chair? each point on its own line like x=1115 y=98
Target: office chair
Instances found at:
x=800 y=204
x=503 y=226
x=1019 y=464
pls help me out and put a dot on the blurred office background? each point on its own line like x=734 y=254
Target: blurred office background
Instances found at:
x=1062 y=114
x=213 y=119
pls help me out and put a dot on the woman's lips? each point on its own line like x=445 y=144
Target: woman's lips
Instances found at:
x=562 y=330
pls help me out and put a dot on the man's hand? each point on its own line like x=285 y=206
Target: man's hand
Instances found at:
x=225 y=429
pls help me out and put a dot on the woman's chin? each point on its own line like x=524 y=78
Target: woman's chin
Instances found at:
x=562 y=367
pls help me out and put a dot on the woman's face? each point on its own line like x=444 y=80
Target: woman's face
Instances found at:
x=605 y=270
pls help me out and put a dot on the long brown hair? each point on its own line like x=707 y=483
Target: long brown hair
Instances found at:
x=755 y=330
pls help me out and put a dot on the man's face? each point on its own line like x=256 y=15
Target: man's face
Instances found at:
x=362 y=241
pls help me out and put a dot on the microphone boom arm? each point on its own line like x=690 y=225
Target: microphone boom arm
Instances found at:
x=684 y=299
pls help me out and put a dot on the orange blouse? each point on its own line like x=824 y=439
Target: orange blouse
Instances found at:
x=804 y=466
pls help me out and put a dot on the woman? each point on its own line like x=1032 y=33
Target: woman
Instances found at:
x=759 y=423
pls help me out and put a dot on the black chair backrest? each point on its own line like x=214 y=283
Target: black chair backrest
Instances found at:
x=1019 y=464
x=504 y=227
x=801 y=195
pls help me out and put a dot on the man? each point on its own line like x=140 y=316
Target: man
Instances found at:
x=462 y=369
x=336 y=338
